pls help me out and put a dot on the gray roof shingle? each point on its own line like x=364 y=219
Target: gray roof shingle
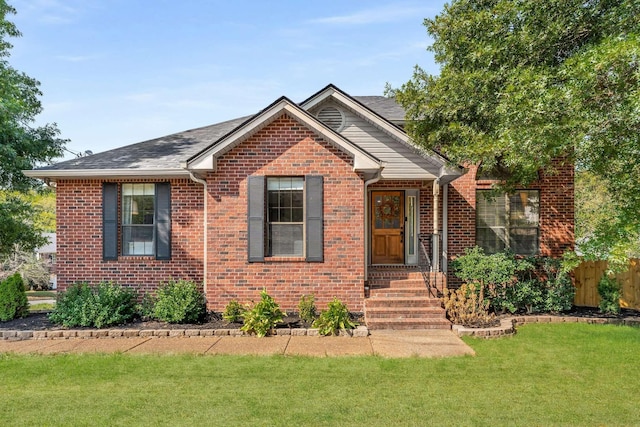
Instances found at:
x=168 y=152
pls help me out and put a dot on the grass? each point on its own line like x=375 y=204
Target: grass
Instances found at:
x=41 y=306
x=553 y=374
x=41 y=294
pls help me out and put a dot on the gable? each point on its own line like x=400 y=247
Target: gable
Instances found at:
x=206 y=160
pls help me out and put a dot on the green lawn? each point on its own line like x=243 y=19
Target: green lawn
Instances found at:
x=551 y=374
x=42 y=294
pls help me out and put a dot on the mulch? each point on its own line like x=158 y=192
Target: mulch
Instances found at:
x=40 y=322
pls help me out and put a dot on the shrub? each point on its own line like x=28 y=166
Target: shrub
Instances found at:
x=494 y=274
x=263 y=317
x=13 y=298
x=529 y=295
x=74 y=307
x=609 y=291
x=179 y=302
x=307 y=308
x=467 y=306
x=336 y=317
x=559 y=292
x=114 y=305
x=107 y=304
x=145 y=307
x=233 y=312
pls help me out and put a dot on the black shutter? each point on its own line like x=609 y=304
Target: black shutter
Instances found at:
x=163 y=221
x=109 y=221
x=314 y=218
x=255 y=216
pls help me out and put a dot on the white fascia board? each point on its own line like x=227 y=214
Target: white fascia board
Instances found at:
x=54 y=174
x=207 y=160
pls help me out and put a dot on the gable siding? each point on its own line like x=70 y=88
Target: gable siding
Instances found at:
x=401 y=161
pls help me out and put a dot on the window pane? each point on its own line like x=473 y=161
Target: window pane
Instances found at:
x=297 y=215
x=524 y=209
x=492 y=240
x=524 y=241
x=490 y=212
x=286 y=239
x=137 y=240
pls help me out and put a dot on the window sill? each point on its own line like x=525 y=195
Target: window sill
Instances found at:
x=285 y=259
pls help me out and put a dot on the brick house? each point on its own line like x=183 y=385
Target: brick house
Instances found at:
x=326 y=197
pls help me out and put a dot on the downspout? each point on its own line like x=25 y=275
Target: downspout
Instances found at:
x=445 y=226
x=373 y=180
x=435 y=242
x=206 y=243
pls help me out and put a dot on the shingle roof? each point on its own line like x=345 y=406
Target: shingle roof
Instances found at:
x=168 y=152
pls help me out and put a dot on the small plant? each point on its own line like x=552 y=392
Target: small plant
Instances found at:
x=114 y=305
x=467 y=306
x=307 y=308
x=13 y=298
x=179 y=302
x=559 y=292
x=529 y=295
x=263 y=317
x=105 y=305
x=333 y=319
x=234 y=312
x=75 y=306
x=145 y=307
x=609 y=291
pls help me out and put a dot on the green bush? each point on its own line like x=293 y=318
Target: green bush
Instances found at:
x=180 y=302
x=529 y=295
x=307 y=308
x=263 y=317
x=559 y=292
x=609 y=291
x=496 y=275
x=233 y=312
x=13 y=298
x=114 y=305
x=107 y=304
x=333 y=319
x=145 y=307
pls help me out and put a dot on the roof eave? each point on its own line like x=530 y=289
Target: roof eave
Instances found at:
x=52 y=175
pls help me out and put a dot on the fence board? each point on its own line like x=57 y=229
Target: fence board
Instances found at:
x=587 y=275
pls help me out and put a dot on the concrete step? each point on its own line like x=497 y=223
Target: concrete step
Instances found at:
x=396 y=283
x=401 y=293
x=427 y=323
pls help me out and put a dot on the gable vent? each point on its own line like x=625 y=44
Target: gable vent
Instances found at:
x=332 y=117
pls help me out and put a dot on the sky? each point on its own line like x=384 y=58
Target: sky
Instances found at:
x=116 y=72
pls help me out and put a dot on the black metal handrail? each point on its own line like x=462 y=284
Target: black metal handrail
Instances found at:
x=424 y=263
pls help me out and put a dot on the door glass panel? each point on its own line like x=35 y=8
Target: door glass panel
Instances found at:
x=411 y=226
x=387 y=212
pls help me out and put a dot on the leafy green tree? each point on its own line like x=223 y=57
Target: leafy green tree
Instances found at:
x=22 y=144
x=524 y=83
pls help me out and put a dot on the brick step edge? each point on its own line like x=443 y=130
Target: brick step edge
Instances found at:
x=508 y=325
x=359 y=332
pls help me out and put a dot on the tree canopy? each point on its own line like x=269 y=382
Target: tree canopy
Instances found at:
x=23 y=145
x=524 y=82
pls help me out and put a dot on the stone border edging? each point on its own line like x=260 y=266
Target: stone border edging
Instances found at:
x=508 y=325
x=358 y=332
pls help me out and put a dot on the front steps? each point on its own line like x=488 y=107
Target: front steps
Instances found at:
x=399 y=299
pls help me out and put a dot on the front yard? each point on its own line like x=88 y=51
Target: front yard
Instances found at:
x=548 y=374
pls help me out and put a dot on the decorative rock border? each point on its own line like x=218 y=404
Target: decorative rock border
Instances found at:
x=508 y=325
x=359 y=332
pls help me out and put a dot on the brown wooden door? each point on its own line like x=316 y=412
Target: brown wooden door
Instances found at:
x=387 y=227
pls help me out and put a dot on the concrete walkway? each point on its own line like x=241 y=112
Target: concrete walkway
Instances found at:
x=385 y=343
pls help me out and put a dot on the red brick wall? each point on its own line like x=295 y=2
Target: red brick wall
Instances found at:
x=285 y=148
x=79 y=234
x=556 y=210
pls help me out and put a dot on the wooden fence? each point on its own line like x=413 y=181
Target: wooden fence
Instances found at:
x=589 y=273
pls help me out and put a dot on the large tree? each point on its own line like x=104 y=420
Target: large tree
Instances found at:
x=23 y=145
x=524 y=82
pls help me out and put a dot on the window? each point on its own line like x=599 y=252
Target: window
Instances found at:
x=136 y=220
x=508 y=222
x=285 y=216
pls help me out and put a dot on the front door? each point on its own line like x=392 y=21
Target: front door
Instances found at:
x=387 y=227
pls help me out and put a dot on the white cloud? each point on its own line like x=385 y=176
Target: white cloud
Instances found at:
x=391 y=13
x=77 y=58
x=55 y=12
